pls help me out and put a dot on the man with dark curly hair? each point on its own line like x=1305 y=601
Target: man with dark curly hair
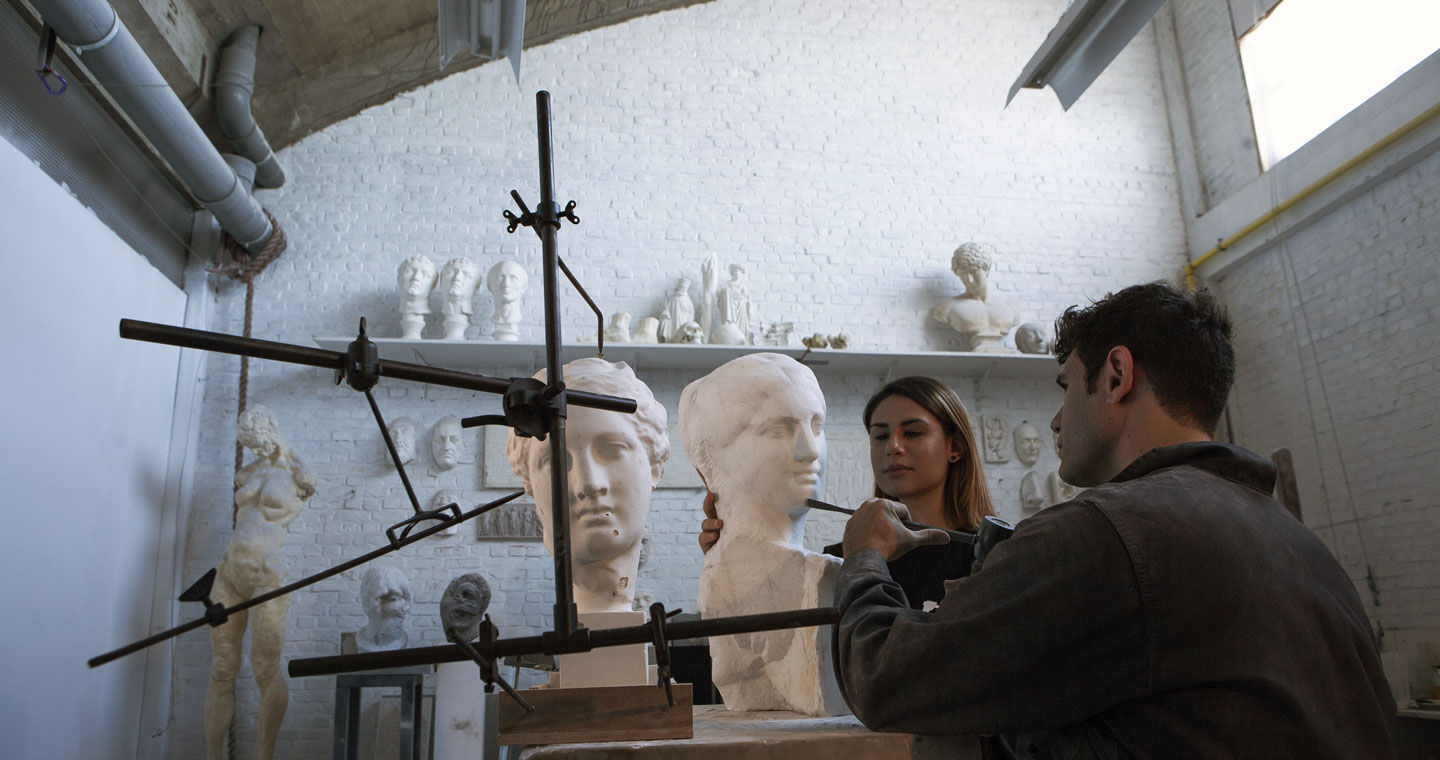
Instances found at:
x=1172 y=610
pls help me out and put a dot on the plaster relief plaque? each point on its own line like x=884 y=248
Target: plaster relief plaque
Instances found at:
x=995 y=434
x=515 y=521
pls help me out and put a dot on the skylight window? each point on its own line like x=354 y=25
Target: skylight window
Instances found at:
x=1310 y=62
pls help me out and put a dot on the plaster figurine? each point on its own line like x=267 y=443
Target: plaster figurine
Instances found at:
x=447 y=443
x=1032 y=338
x=458 y=283
x=733 y=307
x=463 y=605
x=755 y=430
x=995 y=434
x=386 y=596
x=416 y=277
x=615 y=460
x=1027 y=443
x=690 y=332
x=618 y=330
x=778 y=334
x=270 y=491
x=507 y=281
x=816 y=341
x=709 y=284
x=981 y=316
x=1032 y=492
x=444 y=498
x=647 y=330
x=679 y=310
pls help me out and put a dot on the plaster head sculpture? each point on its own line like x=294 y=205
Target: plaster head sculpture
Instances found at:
x=691 y=333
x=416 y=277
x=614 y=462
x=507 y=281
x=458 y=282
x=1027 y=443
x=447 y=443
x=1031 y=338
x=982 y=318
x=619 y=329
x=463 y=605
x=755 y=430
x=386 y=596
x=647 y=330
x=402 y=434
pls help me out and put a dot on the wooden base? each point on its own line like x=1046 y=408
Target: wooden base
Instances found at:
x=598 y=714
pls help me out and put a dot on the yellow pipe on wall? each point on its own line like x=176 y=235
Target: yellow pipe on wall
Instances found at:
x=1315 y=186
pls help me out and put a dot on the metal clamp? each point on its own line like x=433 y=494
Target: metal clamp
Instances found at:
x=663 y=671
x=199 y=591
x=44 y=60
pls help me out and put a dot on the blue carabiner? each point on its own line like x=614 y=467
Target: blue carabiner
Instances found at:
x=45 y=75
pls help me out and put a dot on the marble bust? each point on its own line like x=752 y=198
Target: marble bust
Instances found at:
x=734 y=309
x=386 y=596
x=416 y=277
x=402 y=434
x=1027 y=443
x=615 y=460
x=1032 y=338
x=447 y=444
x=459 y=280
x=679 y=310
x=979 y=315
x=507 y=281
x=755 y=430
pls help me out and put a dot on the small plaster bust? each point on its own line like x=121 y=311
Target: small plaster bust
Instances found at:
x=447 y=444
x=615 y=460
x=1032 y=338
x=507 y=282
x=1027 y=443
x=459 y=280
x=386 y=596
x=619 y=329
x=416 y=277
x=647 y=331
x=402 y=434
x=982 y=317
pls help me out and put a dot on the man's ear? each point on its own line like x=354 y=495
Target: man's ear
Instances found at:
x=1117 y=376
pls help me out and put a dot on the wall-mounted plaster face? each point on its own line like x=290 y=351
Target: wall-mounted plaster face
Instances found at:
x=447 y=443
x=1027 y=443
x=402 y=434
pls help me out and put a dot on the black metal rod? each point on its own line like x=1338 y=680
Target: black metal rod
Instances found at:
x=955 y=535
x=394 y=455
x=316 y=578
x=607 y=637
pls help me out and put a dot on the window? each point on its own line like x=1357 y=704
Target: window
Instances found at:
x=1310 y=62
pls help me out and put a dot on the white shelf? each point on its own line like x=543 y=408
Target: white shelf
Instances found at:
x=475 y=354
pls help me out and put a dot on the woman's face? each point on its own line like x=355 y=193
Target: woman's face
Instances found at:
x=909 y=449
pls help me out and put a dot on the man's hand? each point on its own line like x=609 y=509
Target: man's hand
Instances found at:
x=709 y=527
x=877 y=525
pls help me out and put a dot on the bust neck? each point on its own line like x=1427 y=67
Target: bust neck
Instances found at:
x=387 y=633
x=762 y=522
x=607 y=585
x=417 y=304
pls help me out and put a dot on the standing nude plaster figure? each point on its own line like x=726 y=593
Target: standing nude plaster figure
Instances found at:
x=615 y=460
x=416 y=278
x=507 y=282
x=269 y=493
x=755 y=430
x=458 y=283
x=981 y=316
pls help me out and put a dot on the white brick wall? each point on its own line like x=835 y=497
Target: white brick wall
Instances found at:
x=840 y=150
x=1219 y=104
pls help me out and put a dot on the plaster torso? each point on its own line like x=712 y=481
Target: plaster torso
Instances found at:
x=984 y=323
x=269 y=497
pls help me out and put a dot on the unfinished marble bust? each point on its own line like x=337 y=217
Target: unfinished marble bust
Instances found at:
x=386 y=596
x=647 y=330
x=734 y=310
x=458 y=283
x=447 y=443
x=1027 y=443
x=416 y=277
x=507 y=281
x=618 y=331
x=270 y=491
x=1032 y=492
x=982 y=317
x=679 y=310
x=615 y=460
x=402 y=434
x=1032 y=338
x=755 y=430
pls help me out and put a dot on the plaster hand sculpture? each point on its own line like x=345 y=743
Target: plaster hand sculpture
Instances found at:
x=618 y=330
x=458 y=283
x=755 y=430
x=690 y=332
x=1027 y=443
x=386 y=596
x=444 y=498
x=647 y=330
x=733 y=307
x=402 y=434
x=416 y=277
x=981 y=316
x=1032 y=338
x=615 y=460
x=679 y=310
x=507 y=282
x=447 y=443
x=269 y=493
x=1032 y=492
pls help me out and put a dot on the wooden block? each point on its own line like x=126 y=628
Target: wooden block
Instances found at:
x=598 y=714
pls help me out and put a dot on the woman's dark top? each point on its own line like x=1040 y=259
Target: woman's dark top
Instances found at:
x=922 y=571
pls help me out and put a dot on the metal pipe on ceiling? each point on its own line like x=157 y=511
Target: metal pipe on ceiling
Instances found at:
x=234 y=86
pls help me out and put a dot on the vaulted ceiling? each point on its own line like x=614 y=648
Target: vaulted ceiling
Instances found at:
x=321 y=61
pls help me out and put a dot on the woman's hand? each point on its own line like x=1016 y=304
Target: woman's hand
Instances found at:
x=711 y=525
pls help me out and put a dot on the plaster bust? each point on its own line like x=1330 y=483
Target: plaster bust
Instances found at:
x=458 y=282
x=447 y=444
x=615 y=460
x=416 y=277
x=982 y=317
x=755 y=430
x=1027 y=443
x=507 y=281
x=402 y=434
x=1032 y=338
x=386 y=596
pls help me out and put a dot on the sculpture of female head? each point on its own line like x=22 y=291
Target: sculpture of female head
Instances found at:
x=972 y=263
x=258 y=431
x=416 y=276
